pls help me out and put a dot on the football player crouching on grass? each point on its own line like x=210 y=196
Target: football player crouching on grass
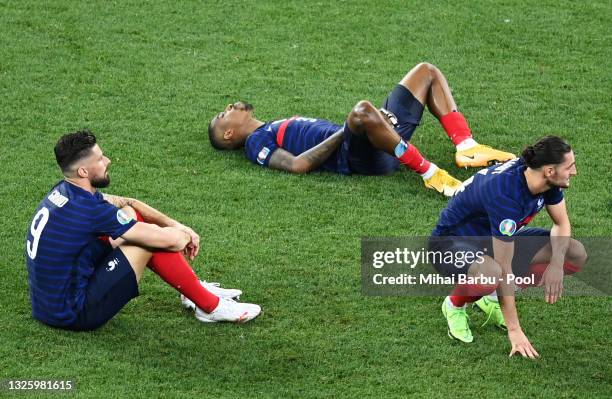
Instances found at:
x=490 y=212
x=86 y=251
x=372 y=141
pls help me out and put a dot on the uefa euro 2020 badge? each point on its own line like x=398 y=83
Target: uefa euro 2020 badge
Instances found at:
x=507 y=227
x=123 y=217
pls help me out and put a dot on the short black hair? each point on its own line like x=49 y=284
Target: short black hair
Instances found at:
x=549 y=150
x=213 y=138
x=73 y=146
x=217 y=141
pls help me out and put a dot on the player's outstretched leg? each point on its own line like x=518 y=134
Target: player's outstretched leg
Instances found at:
x=427 y=83
x=365 y=119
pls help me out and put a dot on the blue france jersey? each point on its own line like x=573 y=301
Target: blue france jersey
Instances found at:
x=59 y=264
x=494 y=202
x=300 y=135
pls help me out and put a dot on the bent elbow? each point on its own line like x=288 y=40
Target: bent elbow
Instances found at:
x=300 y=166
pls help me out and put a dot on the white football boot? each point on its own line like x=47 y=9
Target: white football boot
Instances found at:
x=229 y=310
x=215 y=289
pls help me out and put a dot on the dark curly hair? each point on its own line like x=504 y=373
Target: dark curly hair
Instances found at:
x=549 y=150
x=73 y=146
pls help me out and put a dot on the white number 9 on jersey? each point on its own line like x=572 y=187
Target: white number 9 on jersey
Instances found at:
x=38 y=224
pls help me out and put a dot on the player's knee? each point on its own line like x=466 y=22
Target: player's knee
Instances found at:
x=494 y=270
x=130 y=211
x=427 y=69
x=362 y=114
x=489 y=268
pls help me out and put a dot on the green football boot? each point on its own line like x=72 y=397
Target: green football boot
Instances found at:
x=458 y=326
x=493 y=312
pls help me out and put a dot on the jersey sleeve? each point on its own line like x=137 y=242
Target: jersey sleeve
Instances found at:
x=110 y=220
x=553 y=196
x=504 y=215
x=259 y=147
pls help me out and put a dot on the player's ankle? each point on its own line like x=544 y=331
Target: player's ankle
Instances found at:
x=433 y=168
x=451 y=305
x=466 y=144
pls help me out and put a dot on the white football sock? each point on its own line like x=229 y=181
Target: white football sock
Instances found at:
x=450 y=304
x=466 y=144
x=493 y=297
x=433 y=168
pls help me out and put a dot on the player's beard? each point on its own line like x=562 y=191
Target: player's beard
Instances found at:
x=101 y=182
x=559 y=184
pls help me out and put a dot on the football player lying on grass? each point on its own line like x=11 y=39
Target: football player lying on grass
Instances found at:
x=490 y=212
x=371 y=142
x=86 y=251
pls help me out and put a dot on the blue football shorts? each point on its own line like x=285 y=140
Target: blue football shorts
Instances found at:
x=111 y=286
x=527 y=242
x=362 y=157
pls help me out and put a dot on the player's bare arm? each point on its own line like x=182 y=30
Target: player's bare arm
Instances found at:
x=504 y=252
x=149 y=214
x=153 y=236
x=552 y=280
x=309 y=160
x=153 y=216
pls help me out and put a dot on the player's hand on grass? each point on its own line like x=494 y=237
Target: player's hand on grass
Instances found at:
x=552 y=280
x=520 y=344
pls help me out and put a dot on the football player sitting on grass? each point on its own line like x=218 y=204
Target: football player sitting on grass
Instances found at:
x=86 y=251
x=371 y=142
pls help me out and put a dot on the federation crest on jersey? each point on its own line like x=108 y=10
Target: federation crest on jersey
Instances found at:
x=123 y=217
x=507 y=227
x=263 y=154
x=112 y=264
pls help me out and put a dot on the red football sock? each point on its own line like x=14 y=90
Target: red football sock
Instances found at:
x=174 y=269
x=570 y=268
x=538 y=269
x=468 y=293
x=456 y=127
x=413 y=159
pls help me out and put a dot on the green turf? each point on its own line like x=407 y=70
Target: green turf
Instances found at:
x=147 y=77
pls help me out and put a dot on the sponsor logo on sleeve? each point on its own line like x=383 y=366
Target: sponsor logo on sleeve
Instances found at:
x=122 y=217
x=507 y=227
x=263 y=154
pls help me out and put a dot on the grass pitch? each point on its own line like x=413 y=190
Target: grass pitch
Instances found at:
x=148 y=76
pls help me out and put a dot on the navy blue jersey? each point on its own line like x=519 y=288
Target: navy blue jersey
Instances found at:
x=59 y=261
x=301 y=134
x=494 y=202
